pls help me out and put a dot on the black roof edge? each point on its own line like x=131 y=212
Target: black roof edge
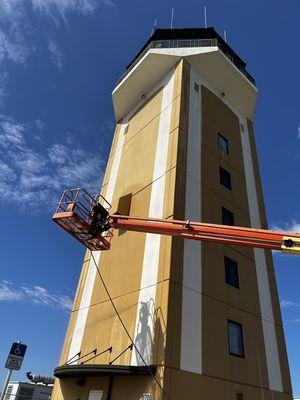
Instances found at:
x=92 y=370
x=189 y=33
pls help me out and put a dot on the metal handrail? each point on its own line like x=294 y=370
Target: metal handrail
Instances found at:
x=179 y=43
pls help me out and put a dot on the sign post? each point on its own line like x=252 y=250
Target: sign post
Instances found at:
x=13 y=362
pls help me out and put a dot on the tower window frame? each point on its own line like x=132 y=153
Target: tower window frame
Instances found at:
x=225 y=178
x=235 y=339
x=227 y=217
x=223 y=143
x=231 y=272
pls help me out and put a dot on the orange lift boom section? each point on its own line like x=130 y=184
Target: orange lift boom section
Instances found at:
x=87 y=219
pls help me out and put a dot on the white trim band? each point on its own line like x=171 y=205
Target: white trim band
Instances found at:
x=143 y=331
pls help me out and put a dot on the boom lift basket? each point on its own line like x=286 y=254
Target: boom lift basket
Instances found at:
x=75 y=213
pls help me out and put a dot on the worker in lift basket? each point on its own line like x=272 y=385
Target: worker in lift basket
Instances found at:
x=99 y=220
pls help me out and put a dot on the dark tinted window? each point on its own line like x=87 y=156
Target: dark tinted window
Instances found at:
x=231 y=272
x=225 y=178
x=227 y=217
x=124 y=208
x=124 y=204
x=235 y=339
x=223 y=143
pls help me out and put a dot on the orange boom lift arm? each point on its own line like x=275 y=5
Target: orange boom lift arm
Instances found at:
x=87 y=219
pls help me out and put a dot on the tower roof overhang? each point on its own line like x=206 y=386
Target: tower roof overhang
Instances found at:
x=210 y=62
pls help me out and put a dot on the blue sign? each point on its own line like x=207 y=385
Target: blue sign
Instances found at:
x=15 y=356
x=18 y=349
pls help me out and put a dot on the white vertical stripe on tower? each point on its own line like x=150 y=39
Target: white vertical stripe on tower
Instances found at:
x=191 y=335
x=269 y=333
x=85 y=301
x=144 y=318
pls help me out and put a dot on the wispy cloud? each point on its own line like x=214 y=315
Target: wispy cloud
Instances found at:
x=36 y=295
x=109 y=3
x=8 y=293
x=14 y=8
x=295 y=320
x=56 y=55
x=288 y=303
x=3 y=89
x=47 y=7
x=40 y=124
x=106 y=128
x=31 y=178
x=13 y=46
x=298 y=135
x=291 y=226
x=16 y=33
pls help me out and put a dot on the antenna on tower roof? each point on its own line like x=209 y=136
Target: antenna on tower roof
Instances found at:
x=205 y=17
x=225 y=36
x=172 y=18
x=154 y=26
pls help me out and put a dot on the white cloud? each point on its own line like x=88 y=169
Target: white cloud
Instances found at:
x=34 y=179
x=15 y=32
x=10 y=6
x=6 y=172
x=298 y=132
x=36 y=295
x=288 y=303
x=13 y=46
x=107 y=127
x=55 y=54
x=291 y=226
x=296 y=320
x=15 y=8
x=109 y=3
x=47 y=7
x=8 y=293
x=40 y=124
x=3 y=87
x=11 y=133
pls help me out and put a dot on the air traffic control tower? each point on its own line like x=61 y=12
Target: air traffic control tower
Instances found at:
x=204 y=317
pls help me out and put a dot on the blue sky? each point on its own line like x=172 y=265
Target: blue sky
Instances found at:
x=59 y=60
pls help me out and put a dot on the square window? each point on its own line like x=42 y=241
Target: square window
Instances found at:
x=227 y=217
x=225 y=178
x=123 y=208
x=239 y=396
x=95 y=395
x=223 y=143
x=124 y=204
x=231 y=273
x=235 y=339
x=196 y=87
